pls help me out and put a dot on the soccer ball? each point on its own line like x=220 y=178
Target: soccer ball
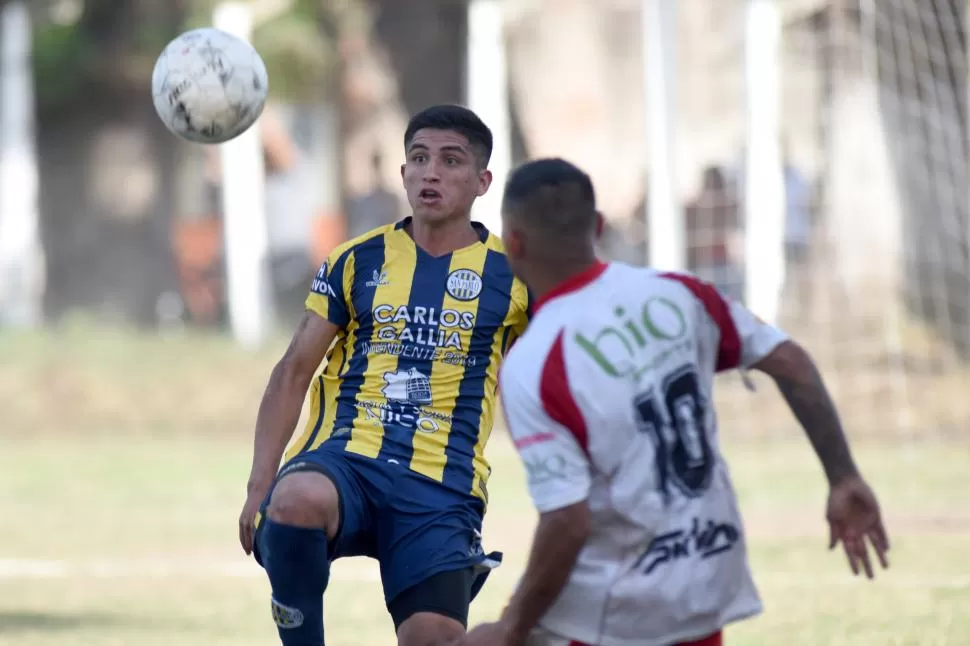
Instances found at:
x=209 y=86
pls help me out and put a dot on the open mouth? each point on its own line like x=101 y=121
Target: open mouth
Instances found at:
x=429 y=195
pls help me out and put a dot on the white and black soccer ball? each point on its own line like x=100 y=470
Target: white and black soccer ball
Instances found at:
x=209 y=86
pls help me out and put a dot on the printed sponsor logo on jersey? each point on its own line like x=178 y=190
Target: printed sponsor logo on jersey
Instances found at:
x=412 y=387
x=426 y=326
x=697 y=541
x=406 y=393
x=379 y=279
x=419 y=352
x=543 y=469
x=464 y=285
x=405 y=416
x=285 y=616
x=321 y=285
x=535 y=438
x=620 y=349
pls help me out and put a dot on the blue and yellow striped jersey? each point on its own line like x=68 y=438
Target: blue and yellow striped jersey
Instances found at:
x=412 y=375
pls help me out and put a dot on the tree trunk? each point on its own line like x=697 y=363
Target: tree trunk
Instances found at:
x=107 y=175
x=397 y=58
x=575 y=67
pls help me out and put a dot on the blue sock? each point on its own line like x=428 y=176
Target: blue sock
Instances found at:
x=296 y=560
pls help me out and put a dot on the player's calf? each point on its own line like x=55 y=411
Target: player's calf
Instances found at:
x=293 y=543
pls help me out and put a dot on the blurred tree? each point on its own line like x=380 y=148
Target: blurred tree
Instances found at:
x=106 y=162
x=583 y=56
x=395 y=59
x=108 y=166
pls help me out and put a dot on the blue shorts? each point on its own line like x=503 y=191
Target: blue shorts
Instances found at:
x=414 y=526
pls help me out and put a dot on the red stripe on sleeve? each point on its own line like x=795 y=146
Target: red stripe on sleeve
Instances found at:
x=729 y=350
x=557 y=398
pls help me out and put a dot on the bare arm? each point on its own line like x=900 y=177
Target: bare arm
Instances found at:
x=282 y=401
x=558 y=540
x=802 y=387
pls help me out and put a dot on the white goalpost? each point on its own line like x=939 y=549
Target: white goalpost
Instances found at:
x=487 y=94
x=244 y=213
x=831 y=138
x=666 y=244
x=763 y=182
x=22 y=263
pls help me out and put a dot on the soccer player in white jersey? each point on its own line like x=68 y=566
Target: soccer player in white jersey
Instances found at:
x=608 y=398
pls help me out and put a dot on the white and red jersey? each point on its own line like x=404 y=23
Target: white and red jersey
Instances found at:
x=608 y=398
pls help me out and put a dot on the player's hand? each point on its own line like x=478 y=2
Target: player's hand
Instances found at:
x=854 y=519
x=493 y=634
x=247 y=518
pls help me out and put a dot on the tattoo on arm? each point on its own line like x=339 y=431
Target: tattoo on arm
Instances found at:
x=803 y=389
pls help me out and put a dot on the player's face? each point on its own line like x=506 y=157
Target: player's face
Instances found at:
x=441 y=175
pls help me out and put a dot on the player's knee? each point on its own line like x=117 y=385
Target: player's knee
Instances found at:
x=305 y=499
x=429 y=629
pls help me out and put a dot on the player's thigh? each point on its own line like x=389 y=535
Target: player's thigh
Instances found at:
x=434 y=611
x=425 y=529
x=328 y=481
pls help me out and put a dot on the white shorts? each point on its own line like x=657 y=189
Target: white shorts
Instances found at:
x=542 y=637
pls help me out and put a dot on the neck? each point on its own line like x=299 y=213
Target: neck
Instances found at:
x=545 y=279
x=442 y=237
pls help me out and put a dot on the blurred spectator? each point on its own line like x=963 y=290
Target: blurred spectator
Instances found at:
x=373 y=209
x=289 y=204
x=713 y=230
x=290 y=210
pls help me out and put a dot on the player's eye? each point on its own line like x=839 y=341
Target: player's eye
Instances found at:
x=419 y=158
x=451 y=161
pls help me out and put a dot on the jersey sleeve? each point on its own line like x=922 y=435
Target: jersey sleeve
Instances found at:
x=330 y=290
x=548 y=431
x=522 y=304
x=757 y=338
x=743 y=338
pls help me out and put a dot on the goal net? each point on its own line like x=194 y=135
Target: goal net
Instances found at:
x=873 y=110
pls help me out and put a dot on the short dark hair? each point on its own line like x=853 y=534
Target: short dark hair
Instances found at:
x=457 y=119
x=552 y=196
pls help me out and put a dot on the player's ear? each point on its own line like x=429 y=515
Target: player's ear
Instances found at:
x=484 y=181
x=600 y=225
x=402 y=170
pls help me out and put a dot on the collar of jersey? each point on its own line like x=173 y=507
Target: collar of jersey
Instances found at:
x=572 y=284
x=480 y=229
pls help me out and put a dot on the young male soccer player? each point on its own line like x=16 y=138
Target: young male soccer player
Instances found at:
x=414 y=319
x=608 y=397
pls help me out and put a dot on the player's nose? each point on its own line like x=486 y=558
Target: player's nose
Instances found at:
x=431 y=173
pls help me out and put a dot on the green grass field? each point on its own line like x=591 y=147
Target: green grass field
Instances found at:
x=119 y=521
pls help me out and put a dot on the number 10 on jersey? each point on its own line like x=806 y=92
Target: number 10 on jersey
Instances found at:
x=676 y=420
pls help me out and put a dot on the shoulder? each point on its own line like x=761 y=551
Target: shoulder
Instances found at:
x=521 y=297
x=697 y=290
x=528 y=358
x=375 y=236
x=506 y=292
